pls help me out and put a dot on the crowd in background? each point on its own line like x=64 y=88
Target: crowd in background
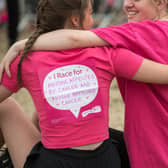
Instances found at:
x=18 y=15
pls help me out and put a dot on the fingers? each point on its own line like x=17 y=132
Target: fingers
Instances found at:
x=5 y=66
x=8 y=59
x=1 y=70
x=7 y=69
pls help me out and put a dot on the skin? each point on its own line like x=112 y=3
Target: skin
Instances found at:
x=138 y=10
x=135 y=10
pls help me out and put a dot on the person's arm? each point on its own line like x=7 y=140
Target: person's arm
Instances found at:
x=117 y=36
x=10 y=56
x=152 y=72
x=62 y=40
x=129 y=65
x=4 y=93
x=56 y=40
x=68 y=39
x=35 y=120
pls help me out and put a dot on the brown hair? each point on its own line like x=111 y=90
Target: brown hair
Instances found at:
x=52 y=15
x=154 y=1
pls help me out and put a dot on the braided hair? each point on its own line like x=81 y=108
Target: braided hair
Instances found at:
x=52 y=15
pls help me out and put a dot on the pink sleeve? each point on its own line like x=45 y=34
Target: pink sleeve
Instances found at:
x=11 y=83
x=121 y=36
x=126 y=63
x=134 y=35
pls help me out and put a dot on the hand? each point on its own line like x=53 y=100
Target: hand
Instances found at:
x=7 y=60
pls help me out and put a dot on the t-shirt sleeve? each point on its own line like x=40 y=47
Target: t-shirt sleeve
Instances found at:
x=121 y=36
x=11 y=83
x=125 y=63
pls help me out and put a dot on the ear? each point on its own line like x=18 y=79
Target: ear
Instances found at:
x=75 y=20
x=161 y=4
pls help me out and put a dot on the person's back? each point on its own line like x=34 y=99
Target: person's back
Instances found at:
x=70 y=90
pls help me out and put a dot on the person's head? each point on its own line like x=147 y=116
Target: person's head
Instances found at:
x=138 y=10
x=59 y=14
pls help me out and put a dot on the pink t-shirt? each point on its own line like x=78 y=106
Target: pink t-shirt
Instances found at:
x=146 y=105
x=70 y=90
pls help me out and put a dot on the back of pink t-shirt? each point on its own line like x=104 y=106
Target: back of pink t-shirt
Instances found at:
x=70 y=90
x=146 y=105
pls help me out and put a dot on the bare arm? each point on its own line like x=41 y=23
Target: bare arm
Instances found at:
x=4 y=93
x=63 y=39
x=56 y=40
x=152 y=72
x=35 y=119
x=67 y=39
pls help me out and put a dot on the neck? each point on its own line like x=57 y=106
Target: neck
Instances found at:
x=163 y=16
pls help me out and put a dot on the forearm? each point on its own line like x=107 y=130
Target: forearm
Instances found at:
x=17 y=46
x=4 y=93
x=56 y=40
x=62 y=39
x=152 y=72
x=67 y=39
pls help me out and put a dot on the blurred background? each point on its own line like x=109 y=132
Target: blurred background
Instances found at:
x=17 y=18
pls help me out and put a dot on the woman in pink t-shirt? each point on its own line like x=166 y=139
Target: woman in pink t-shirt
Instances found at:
x=144 y=74
x=95 y=150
